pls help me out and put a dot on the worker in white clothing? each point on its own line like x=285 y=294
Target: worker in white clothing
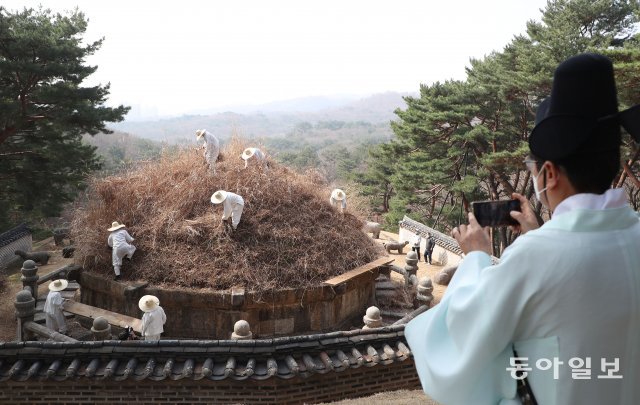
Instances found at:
x=233 y=204
x=120 y=241
x=211 y=147
x=53 y=307
x=338 y=199
x=255 y=154
x=556 y=321
x=153 y=319
x=417 y=241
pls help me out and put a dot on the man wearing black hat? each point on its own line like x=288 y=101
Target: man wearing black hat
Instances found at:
x=557 y=321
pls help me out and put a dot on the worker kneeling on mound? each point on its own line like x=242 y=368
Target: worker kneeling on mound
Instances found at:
x=233 y=205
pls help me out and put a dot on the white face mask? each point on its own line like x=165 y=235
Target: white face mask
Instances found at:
x=535 y=184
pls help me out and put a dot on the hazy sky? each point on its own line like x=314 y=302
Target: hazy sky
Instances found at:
x=180 y=56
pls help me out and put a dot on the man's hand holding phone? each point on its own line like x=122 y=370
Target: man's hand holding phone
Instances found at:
x=472 y=237
x=516 y=213
x=526 y=218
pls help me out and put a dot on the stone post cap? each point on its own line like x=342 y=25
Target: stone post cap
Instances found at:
x=412 y=255
x=241 y=330
x=25 y=304
x=24 y=296
x=100 y=324
x=372 y=316
x=29 y=265
x=425 y=285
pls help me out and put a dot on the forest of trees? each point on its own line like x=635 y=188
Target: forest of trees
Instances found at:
x=461 y=141
x=44 y=112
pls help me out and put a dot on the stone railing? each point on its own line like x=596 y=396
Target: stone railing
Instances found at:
x=26 y=303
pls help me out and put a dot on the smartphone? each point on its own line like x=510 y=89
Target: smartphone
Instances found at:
x=495 y=213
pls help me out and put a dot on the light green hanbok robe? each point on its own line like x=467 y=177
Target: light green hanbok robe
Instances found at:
x=568 y=290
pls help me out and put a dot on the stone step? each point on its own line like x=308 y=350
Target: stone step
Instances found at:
x=385 y=293
x=39 y=317
x=386 y=285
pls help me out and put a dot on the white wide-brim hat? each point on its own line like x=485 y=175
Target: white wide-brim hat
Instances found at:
x=200 y=133
x=219 y=196
x=115 y=225
x=58 y=285
x=148 y=303
x=338 y=194
x=248 y=153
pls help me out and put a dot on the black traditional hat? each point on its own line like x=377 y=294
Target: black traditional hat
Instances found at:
x=581 y=116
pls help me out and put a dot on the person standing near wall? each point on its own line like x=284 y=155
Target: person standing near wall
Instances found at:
x=53 y=306
x=153 y=319
x=428 y=249
x=417 y=240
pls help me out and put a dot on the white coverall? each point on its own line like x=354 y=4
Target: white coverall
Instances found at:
x=562 y=296
x=120 y=241
x=233 y=206
x=152 y=322
x=211 y=149
x=258 y=156
x=53 y=312
x=342 y=204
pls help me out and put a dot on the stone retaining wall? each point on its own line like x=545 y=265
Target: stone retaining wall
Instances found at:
x=209 y=314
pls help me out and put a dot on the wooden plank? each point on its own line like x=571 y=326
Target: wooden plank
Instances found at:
x=43 y=331
x=358 y=270
x=113 y=318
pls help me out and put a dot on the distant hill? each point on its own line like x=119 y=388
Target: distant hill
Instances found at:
x=120 y=150
x=271 y=120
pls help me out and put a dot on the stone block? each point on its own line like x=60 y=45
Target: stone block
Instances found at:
x=284 y=326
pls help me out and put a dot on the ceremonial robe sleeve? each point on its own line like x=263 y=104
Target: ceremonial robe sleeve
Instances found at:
x=462 y=346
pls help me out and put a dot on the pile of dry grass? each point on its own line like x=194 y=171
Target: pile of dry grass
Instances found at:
x=289 y=235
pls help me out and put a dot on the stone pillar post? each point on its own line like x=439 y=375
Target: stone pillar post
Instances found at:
x=424 y=292
x=242 y=331
x=25 y=306
x=411 y=267
x=30 y=278
x=372 y=318
x=101 y=330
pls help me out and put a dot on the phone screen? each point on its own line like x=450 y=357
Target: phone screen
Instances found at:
x=495 y=213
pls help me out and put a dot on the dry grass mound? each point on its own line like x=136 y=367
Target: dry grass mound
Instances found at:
x=289 y=235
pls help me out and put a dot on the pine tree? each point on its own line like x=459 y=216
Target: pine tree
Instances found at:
x=44 y=110
x=465 y=140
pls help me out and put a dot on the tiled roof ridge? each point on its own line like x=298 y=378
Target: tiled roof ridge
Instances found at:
x=214 y=360
x=308 y=342
x=14 y=234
